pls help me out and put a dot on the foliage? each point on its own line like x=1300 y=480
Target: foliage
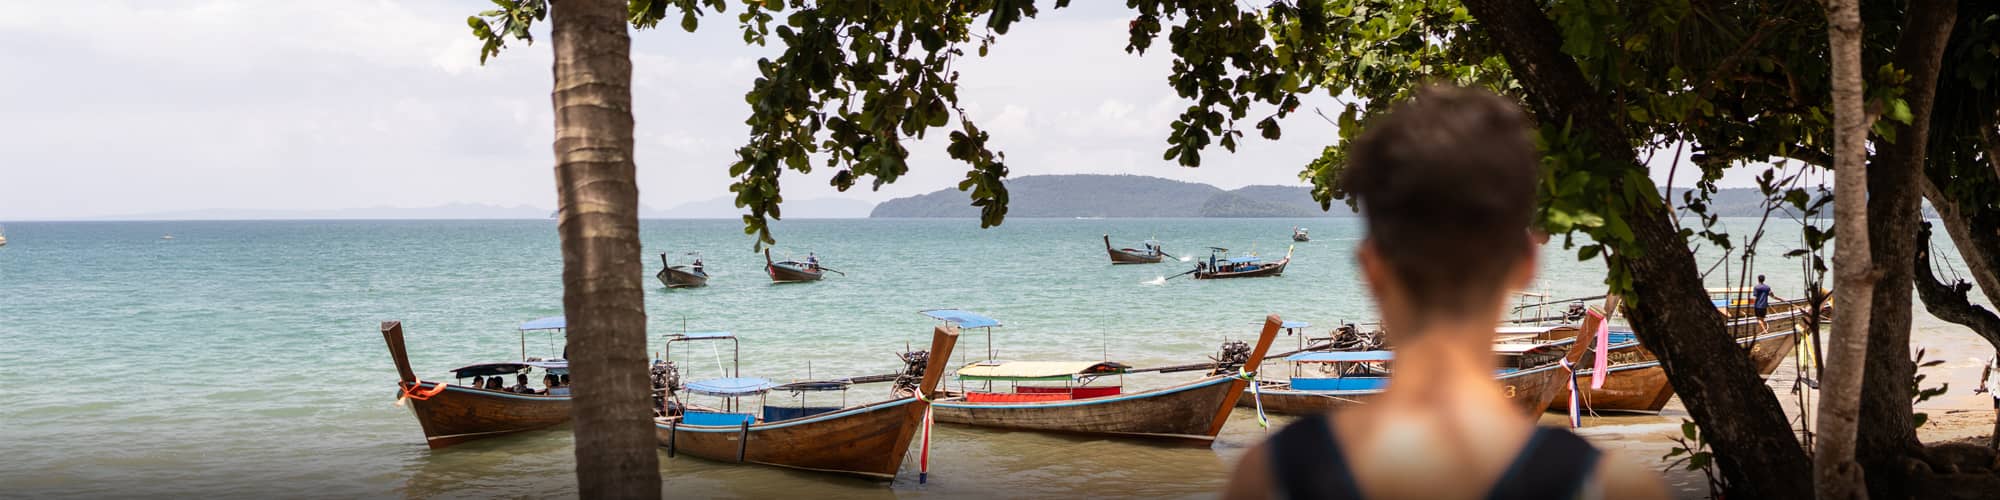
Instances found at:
x=1694 y=455
x=1918 y=392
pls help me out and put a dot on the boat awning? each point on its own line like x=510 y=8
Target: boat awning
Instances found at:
x=548 y=323
x=1038 y=370
x=1294 y=324
x=551 y=364
x=704 y=335
x=1518 y=330
x=488 y=369
x=1244 y=260
x=1524 y=347
x=1341 y=357
x=733 y=386
x=964 y=319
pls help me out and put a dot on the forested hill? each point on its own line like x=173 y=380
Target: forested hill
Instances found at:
x=1086 y=195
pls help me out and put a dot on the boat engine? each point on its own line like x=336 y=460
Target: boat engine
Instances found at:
x=913 y=373
x=1235 y=353
x=1349 y=337
x=1575 y=312
x=666 y=382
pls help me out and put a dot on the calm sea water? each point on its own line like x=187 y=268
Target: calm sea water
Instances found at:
x=243 y=358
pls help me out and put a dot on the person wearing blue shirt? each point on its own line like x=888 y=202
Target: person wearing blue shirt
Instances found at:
x=1762 y=295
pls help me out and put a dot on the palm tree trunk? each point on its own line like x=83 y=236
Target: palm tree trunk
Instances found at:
x=1839 y=477
x=616 y=454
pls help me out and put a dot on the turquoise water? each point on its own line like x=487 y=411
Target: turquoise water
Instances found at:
x=243 y=358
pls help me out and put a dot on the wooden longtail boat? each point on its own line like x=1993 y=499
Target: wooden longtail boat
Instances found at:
x=688 y=276
x=456 y=413
x=1220 y=266
x=1637 y=383
x=1192 y=411
x=1532 y=374
x=867 y=440
x=791 y=271
x=1299 y=234
x=1152 y=254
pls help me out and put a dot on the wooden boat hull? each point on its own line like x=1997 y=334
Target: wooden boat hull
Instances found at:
x=1533 y=391
x=457 y=414
x=788 y=271
x=1129 y=255
x=1180 y=412
x=1301 y=238
x=677 y=277
x=1638 y=383
x=1275 y=269
x=1194 y=411
x=868 y=441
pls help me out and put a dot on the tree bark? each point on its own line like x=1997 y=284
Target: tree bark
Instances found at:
x=1839 y=476
x=603 y=294
x=1947 y=301
x=1887 y=445
x=1739 y=416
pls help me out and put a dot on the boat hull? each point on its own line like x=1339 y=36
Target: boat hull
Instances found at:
x=786 y=274
x=1533 y=391
x=867 y=441
x=460 y=414
x=1129 y=255
x=1186 y=411
x=1275 y=269
x=675 y=277
x=1637 y=382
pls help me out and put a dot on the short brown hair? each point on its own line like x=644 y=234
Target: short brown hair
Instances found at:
x=1446 y=182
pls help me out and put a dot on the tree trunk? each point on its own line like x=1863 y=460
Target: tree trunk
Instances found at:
x=1887 y=444
x=1739 y=416
x=1948 y=301
x=1839 y=476
x=603 y=295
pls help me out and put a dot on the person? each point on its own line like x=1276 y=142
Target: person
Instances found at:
x=1985 y=375
x=549 y=383
x=1446 y=183
x=521 y=384
x=1761 y=302
x=479 y=382
x=697 y=266
x=494 y=384
x=812 y=259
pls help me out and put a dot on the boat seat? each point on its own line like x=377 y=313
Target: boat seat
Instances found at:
x=1076 y=392
x=1339 y=383
x=1008 y=397
x=717 y=418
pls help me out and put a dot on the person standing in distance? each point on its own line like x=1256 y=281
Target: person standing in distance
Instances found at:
x=1761 y=295
x=1446 y=182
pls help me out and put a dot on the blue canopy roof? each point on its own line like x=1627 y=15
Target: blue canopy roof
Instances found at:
x=1243 y=260
x=964 y=319
x=1340 y=357
x=706 y=335
x=1294 y=324
x=548 y=323
x=735 y=386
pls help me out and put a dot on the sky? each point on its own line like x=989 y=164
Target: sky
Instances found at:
x=126 y=108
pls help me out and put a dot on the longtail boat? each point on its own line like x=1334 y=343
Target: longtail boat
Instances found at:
x=1191 y=411
x=1299 y=234
x=792 y=271
x=1531 y=374
x=867 y=440
x=455 y=413
x=1220 y=265
x=1635 y=381
x=687 y=276
x=1151 y=254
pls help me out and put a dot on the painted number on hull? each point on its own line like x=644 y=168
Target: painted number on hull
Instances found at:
x=1510 y=392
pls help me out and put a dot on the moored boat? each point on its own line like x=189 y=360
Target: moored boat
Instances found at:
x=1220 y=265
x=1299 y=234
x=792 y=271
x=868 y=440
x=455 y=413
x=1532 y=374
x=687 y=276
x=1190 y=411
x=1635 y=381
x=1151 y=254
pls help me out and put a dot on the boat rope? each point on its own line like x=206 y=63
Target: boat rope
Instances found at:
x=1575 y=415
x=412 y=392
x=1256 y=396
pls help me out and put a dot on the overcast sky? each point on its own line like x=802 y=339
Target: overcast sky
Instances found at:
x=150 y=106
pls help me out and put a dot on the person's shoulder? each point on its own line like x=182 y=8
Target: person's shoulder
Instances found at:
x=1624 y=478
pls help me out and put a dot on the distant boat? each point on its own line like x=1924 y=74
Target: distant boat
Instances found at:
x=687 y=276
x=3 y=236
x=1151 y=254
x=455 y=413
x=792 y=271
x=167 y=237
x=1220 y=265
x=868 y=440
x=1299 y=234
x=1089 y=218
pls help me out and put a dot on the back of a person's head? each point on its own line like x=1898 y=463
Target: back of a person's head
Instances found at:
x=1446 y=182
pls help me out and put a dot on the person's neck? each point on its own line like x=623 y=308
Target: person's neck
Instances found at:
x=1445 y=362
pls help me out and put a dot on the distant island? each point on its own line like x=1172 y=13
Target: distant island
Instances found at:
x=1091 y=195
x=1134 y=196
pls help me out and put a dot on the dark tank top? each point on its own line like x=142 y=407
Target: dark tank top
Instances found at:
x=1307 y=461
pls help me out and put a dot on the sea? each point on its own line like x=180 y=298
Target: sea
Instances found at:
x=244 y=359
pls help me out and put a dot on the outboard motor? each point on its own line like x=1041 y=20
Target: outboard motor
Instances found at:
x=913 y=373
x=1234 y=355
x=666 y=382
